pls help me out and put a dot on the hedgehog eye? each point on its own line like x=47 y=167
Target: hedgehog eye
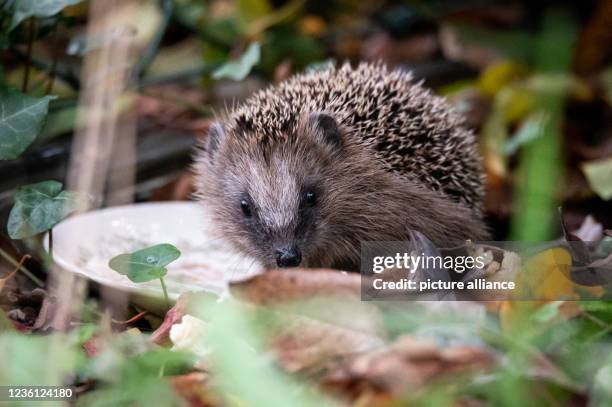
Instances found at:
x=246 y=208
x=310 y=198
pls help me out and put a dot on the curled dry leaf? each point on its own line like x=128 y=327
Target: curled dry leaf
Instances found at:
x=161 y=335
x=44 y=321
x=405 y=365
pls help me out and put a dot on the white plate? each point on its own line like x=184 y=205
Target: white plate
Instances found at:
x=83 y=244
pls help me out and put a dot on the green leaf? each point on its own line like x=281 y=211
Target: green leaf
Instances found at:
x=146 y=264
x=21 y=119
x=239 y=69
x=38 y=8
x=38 y=207
x=599 y=175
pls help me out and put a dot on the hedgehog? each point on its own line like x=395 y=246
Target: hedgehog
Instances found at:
x=303 y=173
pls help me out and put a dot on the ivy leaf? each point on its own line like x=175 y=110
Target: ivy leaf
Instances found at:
x=239 y=69
x=599 y=175
x=38 y=8
x=146 y=264
x=38 y=207
x=21 y=119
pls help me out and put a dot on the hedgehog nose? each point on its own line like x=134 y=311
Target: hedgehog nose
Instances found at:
x=288 y=256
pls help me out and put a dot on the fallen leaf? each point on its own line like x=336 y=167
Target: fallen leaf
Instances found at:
x=405 y=366
x=44 y=321
x=547 y=276
x=161 y=335
x=277 y=286
x=307 y=343
x=599 y=175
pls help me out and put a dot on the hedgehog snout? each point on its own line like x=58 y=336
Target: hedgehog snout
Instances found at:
x=288 y=256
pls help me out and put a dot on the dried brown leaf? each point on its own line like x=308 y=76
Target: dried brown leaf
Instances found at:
x=161 y=335
x=279 y=286
x=406 y=365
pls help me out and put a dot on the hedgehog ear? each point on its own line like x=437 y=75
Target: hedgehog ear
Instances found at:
x=327 y=128
x=216 y=133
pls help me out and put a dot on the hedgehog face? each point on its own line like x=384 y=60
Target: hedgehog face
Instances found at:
x=270 y=199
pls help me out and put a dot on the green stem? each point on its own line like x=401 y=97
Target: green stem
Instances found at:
x=163 y=285
x=24 y=270
x=151 y=51
x=540 y=168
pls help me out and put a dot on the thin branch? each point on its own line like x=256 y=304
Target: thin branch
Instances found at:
x=60 y=71
x=24 y=270
x=19 y=265
x=31 y=34
x=55 y=57
x=135 y=318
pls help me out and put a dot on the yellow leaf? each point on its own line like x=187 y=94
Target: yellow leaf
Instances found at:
x=545 y=276
x=499 y=75
x=251 y=10
x=516 y=103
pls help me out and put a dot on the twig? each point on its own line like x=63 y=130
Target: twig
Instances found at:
x=55 y=57
x=60 y=71
x=26 y=75
x=51 y=244
x=596 y=320
x=605 y=327
x=178 y=76
x=203 y=110
x=131 y=320
x=21 y=267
